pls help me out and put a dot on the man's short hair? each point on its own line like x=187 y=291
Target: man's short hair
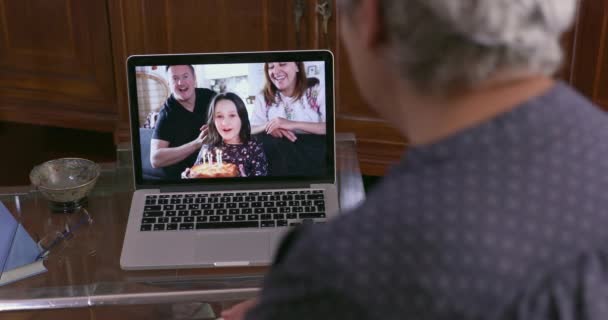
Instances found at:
x=172 y=65
x=441 y=45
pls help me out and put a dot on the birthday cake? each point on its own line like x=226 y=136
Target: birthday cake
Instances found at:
x=215 y=170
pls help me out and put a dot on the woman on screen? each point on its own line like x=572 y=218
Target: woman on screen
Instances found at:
x=290 y=102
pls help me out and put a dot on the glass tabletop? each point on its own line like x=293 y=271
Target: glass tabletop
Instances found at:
x=84 y=269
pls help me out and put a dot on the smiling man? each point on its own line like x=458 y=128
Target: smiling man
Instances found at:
x=498 y=211
x=180 y=129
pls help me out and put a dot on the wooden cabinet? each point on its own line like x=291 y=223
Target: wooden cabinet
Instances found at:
x=55 y=64
x=62 y=62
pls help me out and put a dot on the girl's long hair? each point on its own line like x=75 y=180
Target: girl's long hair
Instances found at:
x=213 y=136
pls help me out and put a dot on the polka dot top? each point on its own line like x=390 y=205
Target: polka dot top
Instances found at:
x=505 y=220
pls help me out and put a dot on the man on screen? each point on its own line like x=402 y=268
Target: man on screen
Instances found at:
x=181 y=128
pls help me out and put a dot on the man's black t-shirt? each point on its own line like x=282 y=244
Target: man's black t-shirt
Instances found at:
x=179 y=126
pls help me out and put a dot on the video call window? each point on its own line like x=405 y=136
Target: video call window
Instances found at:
x=258 y=143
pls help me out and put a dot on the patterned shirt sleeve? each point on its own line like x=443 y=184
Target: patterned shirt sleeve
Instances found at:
x=258 y=159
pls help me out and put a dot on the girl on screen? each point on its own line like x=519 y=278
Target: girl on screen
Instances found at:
x=229 y=149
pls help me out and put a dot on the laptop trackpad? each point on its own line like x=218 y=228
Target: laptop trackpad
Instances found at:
x=233 y=249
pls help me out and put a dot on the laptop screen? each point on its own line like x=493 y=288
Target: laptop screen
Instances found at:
x=232 y=117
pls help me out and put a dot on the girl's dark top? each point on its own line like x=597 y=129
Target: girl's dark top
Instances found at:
x=179 y=126
x=249 y=155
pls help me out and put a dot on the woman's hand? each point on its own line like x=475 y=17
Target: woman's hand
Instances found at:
x=282 y=133
x=238 y=311
x=279 y=123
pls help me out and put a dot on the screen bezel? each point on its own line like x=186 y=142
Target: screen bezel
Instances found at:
x=227 y=58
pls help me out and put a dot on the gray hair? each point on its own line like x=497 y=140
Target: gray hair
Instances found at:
x=441 y=45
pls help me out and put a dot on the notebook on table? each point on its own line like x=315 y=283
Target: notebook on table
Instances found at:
x=223 y=208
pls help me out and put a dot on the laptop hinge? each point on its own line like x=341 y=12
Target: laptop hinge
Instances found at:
x=241 y=186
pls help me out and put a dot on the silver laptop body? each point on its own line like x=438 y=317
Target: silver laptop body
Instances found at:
x=221 y=247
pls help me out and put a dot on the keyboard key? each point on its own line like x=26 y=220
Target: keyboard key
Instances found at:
x=268 y=204
x=292 y=192
x=163 y=220
x=315 y=197
x=188 y=219
x=188 y=200
x=168 y=207
x=266 y=216
x=238 y=199
x=200 y=200
x=278 y=216
x=176 y=201
x=282 y=223
x=176 y=219
x=285 y=210
x=183 y=213
x=206 y=206
x=186 y=226
x=228 y=194
x=171 y=213
x=150 y=201
x=163 y=201
x=151 y=196
x=240 y=217
x=256 y=205
x=311 y=215
x=241 y=194
x=202 y=195
x=225 y=200
x=218 y=206
x=224 y=225
x=221 y=211
x=267 y=224
x=247 y=211
x=214 y=218
x=253 y=194
x=259 y=210
x=243 y=205
x=227 y=218
x=272 y=210
x=148 y=220
x=181 y=207
x=292 y=216
x=196 y=212
x=266 y=193
x=231 y=205
x=172 y=226
x=233 y=211
x=191 y=195
x=177 y=196
x=193 y=207
x=163 y=196
x=263 y=198
x=201 y=219
x=317 y=191
x=208 y=212
x=159 y=227
x=150 y=214
x=146 y=227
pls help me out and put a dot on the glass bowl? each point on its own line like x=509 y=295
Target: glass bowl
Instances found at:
x=65 y=182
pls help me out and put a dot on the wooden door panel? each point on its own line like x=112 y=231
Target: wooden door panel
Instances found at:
x=55 y=63
x=589 y=66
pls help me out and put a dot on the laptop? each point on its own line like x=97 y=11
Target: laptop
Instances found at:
x=216 y=211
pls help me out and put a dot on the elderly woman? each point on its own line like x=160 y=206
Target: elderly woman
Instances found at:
x=499 y=209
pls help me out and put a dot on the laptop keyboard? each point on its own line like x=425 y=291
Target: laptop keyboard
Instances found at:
x=219 y=210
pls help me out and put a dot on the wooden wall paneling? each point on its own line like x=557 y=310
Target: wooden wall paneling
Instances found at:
x=378 y=145
x=191 y=26
x=56 y=64
x=589 y=71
